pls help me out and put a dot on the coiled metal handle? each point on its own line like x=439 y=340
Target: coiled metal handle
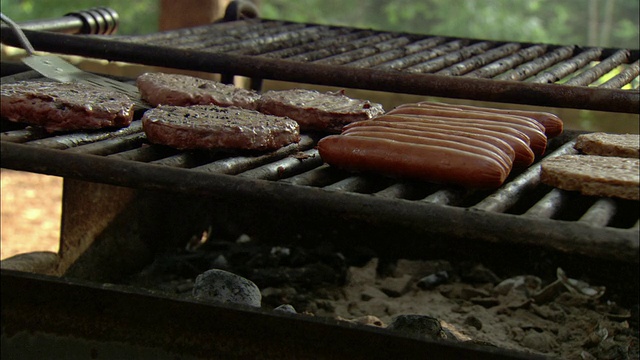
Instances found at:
x=100 y=20
x=94 y=21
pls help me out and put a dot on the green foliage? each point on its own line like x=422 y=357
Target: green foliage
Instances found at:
x=613 y=23
x=609 y=23
x=136 y=17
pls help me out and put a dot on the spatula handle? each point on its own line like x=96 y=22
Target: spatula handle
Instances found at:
x=24 y=42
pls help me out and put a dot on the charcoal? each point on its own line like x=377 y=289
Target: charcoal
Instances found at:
x=431 y=281
x=418 y=325
x=221 y=286
x=286 y=308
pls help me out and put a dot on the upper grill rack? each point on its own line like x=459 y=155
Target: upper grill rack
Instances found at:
x=360 y=48
x=475 y=69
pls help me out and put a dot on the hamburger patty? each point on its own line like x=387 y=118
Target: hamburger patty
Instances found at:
x=183 y=90
x=65 y=106
x=214 y=127
x=313 y=110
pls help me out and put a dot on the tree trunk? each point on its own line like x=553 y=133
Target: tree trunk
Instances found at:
x=605 y=35
x=592 y=36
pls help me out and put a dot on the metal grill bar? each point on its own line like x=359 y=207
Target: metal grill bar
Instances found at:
x=601 y=213
x=208 y=37
x=323 y=175
x=80 y=138
x=592 y=74
x=23 y=136
x=354 y=55
x=238 y=164
x=548 y=206
x=445 y=197
x=181 y=160
x=359 y=184
x=251 y=40
x=479 y=60
x=450 y=59
x=188 y=34
x=400 y=190
x=625 y=77
x=510 y=193
x=396 y=52
x=342 y=36
x=422 y=56
x=560 y=71
x=533 y=67
x=110 y=146
x=295 y=36
x=286 y=167
x=504 y=64
x=340 y=48
x=145 y=154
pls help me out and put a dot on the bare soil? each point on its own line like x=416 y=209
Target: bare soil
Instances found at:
x=31 y=210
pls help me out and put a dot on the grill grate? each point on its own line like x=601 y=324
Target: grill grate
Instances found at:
x=300 y=166
x=475 y=69
x=400 y=51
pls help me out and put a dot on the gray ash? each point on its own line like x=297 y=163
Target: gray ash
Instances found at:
x=286 y=275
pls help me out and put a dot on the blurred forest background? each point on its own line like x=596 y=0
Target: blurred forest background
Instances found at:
x=605 y=23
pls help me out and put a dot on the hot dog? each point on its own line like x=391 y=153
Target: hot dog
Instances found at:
x=434 y=138
x=412 y=109
x=432 y=163
x=508 y=139
x=538 y=141
x=552 y=123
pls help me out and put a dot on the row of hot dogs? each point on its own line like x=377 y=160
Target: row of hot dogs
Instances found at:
x=474 y=147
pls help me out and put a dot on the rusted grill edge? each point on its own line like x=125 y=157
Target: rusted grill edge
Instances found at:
x=124 y=321
x=424 y=217
x=376 y=53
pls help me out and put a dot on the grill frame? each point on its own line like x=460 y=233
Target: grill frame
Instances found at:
x=125 y=323
x=483 y=223
x=138 y=50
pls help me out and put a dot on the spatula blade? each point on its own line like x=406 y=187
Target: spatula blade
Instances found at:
x=56 y=68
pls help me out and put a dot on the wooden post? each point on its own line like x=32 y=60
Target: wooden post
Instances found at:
x=189 y=13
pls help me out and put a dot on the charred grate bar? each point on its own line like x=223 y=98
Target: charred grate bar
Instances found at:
x=475 y=69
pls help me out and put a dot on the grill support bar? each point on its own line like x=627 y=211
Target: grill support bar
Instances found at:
x=347 y=209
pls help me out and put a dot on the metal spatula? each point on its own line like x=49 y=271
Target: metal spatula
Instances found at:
x=56 y=68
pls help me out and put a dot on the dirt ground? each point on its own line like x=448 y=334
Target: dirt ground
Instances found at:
x=31 y=209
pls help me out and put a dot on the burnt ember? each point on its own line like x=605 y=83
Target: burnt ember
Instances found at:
x=464 y=301
x=286 y=275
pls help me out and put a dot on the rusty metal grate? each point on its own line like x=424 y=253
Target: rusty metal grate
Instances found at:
x=475 y=69
x=320 y=44
x=124 y=157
